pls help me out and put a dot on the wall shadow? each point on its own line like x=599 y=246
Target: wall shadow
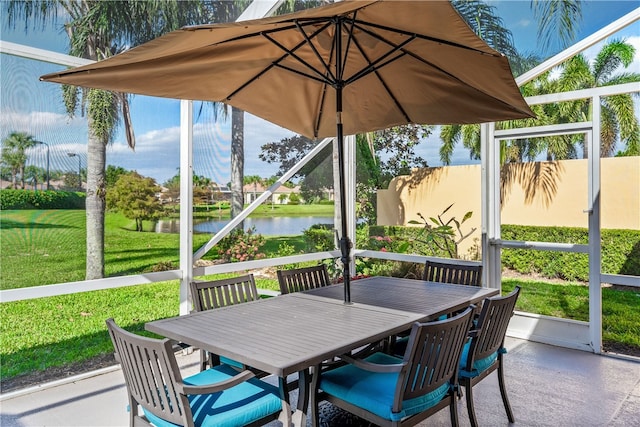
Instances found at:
x=539 y=180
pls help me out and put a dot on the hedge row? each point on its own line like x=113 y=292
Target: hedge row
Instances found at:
x=29 y=199
x=620 y=252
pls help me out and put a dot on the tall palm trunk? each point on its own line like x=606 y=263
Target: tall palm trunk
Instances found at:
x=95 y=204
x=22 y=176
x=237 y=163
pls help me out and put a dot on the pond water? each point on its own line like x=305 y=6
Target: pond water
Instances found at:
x=270 y=226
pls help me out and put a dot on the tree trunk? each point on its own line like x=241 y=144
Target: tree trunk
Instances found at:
x=22 y=177
x=95 y=204
x=237 y=163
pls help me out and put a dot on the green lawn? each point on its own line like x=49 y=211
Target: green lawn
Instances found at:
x=44 y=247
x=38 y=247
x=48 y=246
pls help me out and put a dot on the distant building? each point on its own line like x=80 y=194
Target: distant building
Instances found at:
x=279 y=197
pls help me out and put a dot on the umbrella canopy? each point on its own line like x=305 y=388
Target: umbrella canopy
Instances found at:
x=348 y=67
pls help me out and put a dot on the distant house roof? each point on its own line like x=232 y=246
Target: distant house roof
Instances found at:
x=259 y=188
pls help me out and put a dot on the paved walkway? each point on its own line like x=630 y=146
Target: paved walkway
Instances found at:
x=548 y=386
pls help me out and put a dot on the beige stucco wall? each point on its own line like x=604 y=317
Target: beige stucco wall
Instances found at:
x=542 y=193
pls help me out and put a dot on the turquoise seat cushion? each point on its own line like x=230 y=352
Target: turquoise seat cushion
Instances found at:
x=478 y=365
x=237 y=406
x=374 y=391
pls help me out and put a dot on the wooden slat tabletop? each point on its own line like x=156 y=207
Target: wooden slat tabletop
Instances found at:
x=428 y=298
x=285 y=334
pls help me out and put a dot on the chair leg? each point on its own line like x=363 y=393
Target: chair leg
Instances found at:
x=284 y=390
x=503 y=392
x=470 y=408
x=453 y=408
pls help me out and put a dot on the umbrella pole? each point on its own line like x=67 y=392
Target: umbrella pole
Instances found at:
x=345 y=243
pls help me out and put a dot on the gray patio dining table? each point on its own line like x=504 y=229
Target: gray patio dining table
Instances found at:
x=290 y=333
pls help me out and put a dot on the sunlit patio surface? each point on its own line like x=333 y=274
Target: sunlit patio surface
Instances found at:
x=547 y=385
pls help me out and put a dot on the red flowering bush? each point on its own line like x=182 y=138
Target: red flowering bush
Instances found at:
x=240 y=245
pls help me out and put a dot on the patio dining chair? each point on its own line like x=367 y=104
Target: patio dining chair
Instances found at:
x=303 y=279
x=443 y=272
x=449 y=272
x=392 y=391
x=214 y=294
x=219 y=396
x=484 y=353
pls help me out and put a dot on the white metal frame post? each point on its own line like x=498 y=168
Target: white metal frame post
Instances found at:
x=595 y=242
x=186 y=202
x=490 y=200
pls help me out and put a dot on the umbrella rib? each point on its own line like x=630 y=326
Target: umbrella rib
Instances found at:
x=313 y=47
x=374 y=69
x=373 y=66
x=292 y=54
x=287 y=52
x=400 y=48
x=363 y=24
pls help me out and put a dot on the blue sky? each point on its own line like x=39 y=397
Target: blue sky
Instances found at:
x=35 y=107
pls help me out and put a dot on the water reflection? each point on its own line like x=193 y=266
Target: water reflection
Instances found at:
x=271 y=226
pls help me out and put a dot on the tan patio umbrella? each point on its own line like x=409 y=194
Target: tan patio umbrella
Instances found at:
x=349 y=67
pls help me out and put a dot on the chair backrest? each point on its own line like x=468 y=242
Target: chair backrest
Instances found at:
x=432 y=356
x=303 y=279
x=492 y=326
x=458 y=274
x=223 y=292
x=151 y=374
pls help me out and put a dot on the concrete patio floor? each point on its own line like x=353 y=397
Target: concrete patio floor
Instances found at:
x=548 y=386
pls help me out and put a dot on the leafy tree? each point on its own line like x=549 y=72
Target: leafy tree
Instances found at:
x=113 y=173
x=396 y=149
x=97 y=30
x=135 y=196
x=14 y=156
x=315 y=177
x=173 y=187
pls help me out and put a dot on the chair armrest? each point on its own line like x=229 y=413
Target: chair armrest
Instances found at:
x=373 y=367
x=216 y=387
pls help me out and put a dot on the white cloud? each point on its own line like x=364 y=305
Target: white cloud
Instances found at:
x=523 y=23
x=38 y=123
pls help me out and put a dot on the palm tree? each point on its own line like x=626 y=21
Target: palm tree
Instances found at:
x=14 y=156
x=557 y=20
x=97 y=30
x=618 y=119
x=35 y=174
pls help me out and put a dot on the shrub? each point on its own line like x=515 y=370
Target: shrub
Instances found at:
x=294 y=199
x=620 y=252
x=241 y=246
x=320 y=237
x=13 y=199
